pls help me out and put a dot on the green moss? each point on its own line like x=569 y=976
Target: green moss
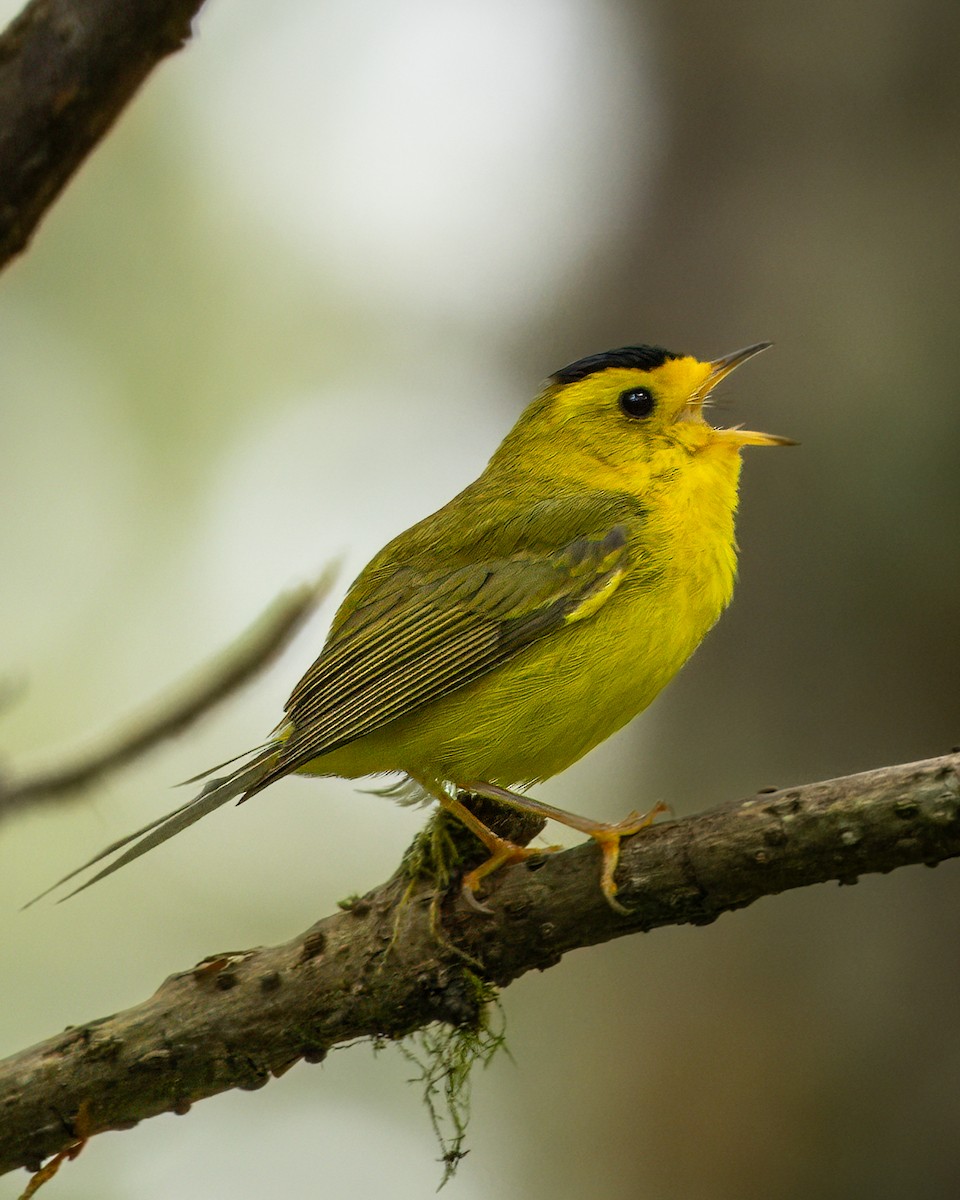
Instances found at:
x=443 y=1054
x=441 y=851
x=445 y=1057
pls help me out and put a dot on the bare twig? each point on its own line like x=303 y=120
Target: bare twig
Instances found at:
x=383 y=969
x=67 y=69
x=247 y=656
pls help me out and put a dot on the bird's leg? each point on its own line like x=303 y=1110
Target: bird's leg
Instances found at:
x=606 y=834
x=501 y=850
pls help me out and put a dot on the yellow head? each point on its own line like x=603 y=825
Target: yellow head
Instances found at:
x=636 y=412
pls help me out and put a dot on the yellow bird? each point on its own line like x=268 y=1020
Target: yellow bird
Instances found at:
x=498 y=640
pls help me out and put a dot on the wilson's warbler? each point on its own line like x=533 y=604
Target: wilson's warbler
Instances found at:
x=494 y=643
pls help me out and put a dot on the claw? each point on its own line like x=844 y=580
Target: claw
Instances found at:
x=470 y=897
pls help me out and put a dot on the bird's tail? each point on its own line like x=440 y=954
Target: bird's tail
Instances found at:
x=215 y=793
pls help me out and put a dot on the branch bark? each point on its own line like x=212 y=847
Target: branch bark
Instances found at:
x=67 y=69
x=381 y=968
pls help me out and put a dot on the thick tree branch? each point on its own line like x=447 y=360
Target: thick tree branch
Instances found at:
x=67 y=69
x=254 y=650
x=381 y=969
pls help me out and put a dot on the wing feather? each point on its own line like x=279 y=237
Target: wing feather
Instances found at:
x=437 y=633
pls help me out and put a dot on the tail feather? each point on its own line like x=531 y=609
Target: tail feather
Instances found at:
x=271 y=745
x=216 y=793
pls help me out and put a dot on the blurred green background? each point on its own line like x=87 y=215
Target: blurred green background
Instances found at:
x=291 y=305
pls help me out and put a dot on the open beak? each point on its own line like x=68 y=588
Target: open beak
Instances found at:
x=720 y=368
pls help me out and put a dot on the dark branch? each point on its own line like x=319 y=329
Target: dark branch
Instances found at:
x=254 y=650
x=379 y=969
x=67 y=69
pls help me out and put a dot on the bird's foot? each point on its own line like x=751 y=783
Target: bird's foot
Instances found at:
x=502 y=853
x=608 y=837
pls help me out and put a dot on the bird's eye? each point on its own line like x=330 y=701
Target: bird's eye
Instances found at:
x=637 y=402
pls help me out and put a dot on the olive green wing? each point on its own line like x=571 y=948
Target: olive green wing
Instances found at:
x=422 y=635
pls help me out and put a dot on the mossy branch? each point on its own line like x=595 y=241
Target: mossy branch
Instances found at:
x=383 y=968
